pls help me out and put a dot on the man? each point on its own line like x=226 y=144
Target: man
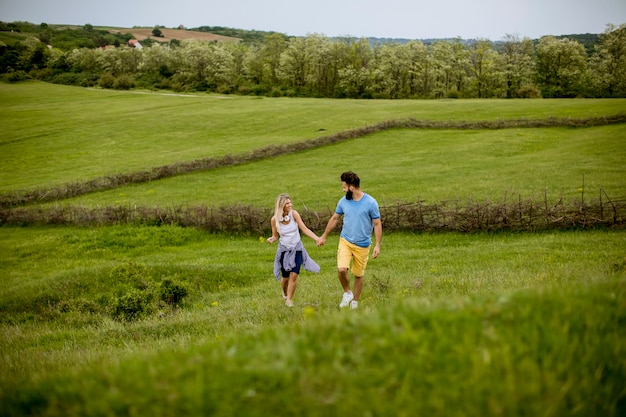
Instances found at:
x=361 y=216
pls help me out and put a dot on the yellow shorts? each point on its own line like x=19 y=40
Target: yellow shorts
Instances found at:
x=349 y=252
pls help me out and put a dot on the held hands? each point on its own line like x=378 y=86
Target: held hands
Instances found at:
x=321 y=241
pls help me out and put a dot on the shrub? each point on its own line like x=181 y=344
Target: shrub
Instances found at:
x=224 y=89
x=89 y=80
x=276 y=92
x=68 y=78
x=124 y=82
x=107 y=80
x=16 y=76
x=172 y=292
x=133 y=305
x=529 y=91
x=177 y=87
x=244 y=90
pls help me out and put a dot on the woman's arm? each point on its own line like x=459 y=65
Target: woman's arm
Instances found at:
x=303 y=227
x=274 y=236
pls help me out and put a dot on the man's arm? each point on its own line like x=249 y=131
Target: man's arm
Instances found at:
x=378 y=235
x=332 y=223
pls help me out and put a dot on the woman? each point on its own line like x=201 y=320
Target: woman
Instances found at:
x=291 y=254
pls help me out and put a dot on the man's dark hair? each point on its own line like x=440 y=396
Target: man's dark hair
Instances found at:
x=351 y=178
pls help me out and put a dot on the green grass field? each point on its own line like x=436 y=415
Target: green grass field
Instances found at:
x=407 y=165
x=474 y=324
x=53 y=134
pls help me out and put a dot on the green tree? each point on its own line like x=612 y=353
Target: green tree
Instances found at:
x=237 y=53
x=443 y=74
x=353 y=82
x=561 y=67
x=609 y=63
x=353 y=72
x=221 y=71
x=460 y=66
x=272 y=50
x=420 y=74
x=192 y=63
x=484 y=66
x=518 y=63
x=391 y=71
x=128 y=60
x=86 y=60
x=293 y=63
x=323 y=61
x=156 y=66
x=33 y=55
x=57 y=60
x=254 y=65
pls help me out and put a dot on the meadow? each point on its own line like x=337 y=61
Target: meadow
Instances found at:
x=164 y=320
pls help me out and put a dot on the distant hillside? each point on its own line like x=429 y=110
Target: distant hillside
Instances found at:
x=170 y=34
x=66 y=36
x=247 y=36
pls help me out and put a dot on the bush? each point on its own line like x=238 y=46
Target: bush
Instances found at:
x=44 y=74
x=172 y=292
x=133 y=305
x=224 y=89
x=68 y=78
x=529 y=91
x=275 y=92
x=124 y=82
x=107 y=80
x=16 y=76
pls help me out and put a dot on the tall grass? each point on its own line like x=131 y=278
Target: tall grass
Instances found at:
x=479 y=324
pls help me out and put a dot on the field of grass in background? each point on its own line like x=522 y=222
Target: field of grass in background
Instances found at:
x=53 y=134
x=500 y=323
x=407 y=165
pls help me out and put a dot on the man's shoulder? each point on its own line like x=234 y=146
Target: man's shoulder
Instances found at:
x=340 y=205
x=370 y=198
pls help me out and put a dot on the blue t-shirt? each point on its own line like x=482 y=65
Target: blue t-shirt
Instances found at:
x=357 y=219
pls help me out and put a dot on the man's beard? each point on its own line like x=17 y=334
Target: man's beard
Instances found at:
x=349 y=195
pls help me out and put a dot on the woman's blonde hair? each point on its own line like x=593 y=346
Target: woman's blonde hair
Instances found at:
x=281 y=200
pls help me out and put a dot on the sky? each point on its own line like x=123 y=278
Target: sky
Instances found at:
x=406 y=19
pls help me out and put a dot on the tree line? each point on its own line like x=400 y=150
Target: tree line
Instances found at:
x=319 y=66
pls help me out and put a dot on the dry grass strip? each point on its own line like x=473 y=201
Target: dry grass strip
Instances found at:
x=472 y=216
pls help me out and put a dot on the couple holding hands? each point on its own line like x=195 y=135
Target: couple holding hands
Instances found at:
x=361 y=216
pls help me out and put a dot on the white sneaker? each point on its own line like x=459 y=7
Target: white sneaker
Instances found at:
x=288 y=303
x=354 y=304
x=345 y=300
